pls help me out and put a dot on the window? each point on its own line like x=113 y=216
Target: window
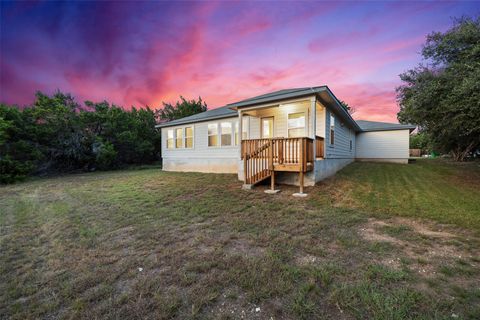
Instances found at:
x=213 y=135
x=350 y=145
x=179 y=138
x=189 y=137
x=170 y=139
x=236 y=133
x=245 y=123
x=332 y=129
x=267 y=127
x=296 y=125
x=226 y=133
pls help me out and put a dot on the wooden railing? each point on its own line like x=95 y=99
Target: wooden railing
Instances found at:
x=261 y=155
x=257 y=159
x=320 y=151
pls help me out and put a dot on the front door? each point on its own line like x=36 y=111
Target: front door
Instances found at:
x=266 y=127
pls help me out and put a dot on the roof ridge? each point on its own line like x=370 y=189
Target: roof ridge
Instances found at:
x=273 y=94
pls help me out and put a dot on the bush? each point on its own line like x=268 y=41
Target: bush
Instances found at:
x=105 y=155
x=13 y=170
x=56 y=134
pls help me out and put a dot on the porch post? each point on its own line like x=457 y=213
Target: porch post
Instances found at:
x=240 y=131
x=313 y=112
x=240 y=145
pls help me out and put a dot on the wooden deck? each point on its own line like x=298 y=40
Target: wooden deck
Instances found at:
x=263 y=157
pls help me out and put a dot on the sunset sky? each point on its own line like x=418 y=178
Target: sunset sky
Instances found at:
x=143 y=53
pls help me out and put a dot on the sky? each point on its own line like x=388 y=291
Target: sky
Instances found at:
x=148 y=52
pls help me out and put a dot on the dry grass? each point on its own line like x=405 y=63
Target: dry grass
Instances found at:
x=151 y=244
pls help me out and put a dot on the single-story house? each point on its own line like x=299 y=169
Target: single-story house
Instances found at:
x=294 y=136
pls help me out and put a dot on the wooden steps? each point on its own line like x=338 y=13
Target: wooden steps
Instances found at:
x=263 y=157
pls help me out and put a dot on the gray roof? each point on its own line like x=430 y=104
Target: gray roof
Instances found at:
x=383 y=126
x=218 y=113
x=274 y=96
x=323 y=94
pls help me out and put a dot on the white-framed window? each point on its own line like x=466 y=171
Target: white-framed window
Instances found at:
x=226 y=133
x=213 y=134
x=296 y=125
x=332 y=129
x=188 y=137
x=170 y=139
x=179 y=138
x=236 y=134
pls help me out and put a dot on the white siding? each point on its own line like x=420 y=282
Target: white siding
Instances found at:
x=280 y=118
x=254 y=129
x=343 y=134
x=201 y=157
x=392 y=144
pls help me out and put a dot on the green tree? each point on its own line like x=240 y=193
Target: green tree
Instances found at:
x=347 y=107
x=442 y=95
x=421 y=141
x=56 y=134
x=181 y=109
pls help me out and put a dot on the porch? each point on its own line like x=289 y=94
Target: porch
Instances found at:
x=262 y=158
x=280 y=139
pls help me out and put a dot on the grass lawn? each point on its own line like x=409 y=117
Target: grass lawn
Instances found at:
x=378 y=241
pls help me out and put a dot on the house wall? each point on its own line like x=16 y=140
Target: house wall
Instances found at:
x=201 y=158
x=280 y=115
x=385 y=146
x=328 y=167
x=343 y=134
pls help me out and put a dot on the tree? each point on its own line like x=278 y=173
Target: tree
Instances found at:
x=442 y=95
x=181 y=109
x=348 y=108
x=56 y=134
x=421 y=141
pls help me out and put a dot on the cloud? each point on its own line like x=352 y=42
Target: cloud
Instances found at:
x=143 y=53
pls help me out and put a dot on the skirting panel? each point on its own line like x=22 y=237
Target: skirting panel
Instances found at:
x=207 y=165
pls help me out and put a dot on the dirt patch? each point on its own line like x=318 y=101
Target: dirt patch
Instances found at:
x=244 y=248
x=426 y=245
x=233 y=304
x=306 y=259
x=431 y=230
x=370 y=232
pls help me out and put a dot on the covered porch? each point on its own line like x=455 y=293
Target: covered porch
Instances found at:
x=281 y=138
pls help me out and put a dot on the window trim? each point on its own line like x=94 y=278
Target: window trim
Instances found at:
x=221 y=134
x=332 y=129
x=236 y=133
x=185 y=137
x=172 y=138
x=208 y=135
x=181 y=139
x=304 y=124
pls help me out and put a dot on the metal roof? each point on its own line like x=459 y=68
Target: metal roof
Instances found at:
x=383 y=126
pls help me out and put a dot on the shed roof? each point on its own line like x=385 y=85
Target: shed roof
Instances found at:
x=383 y=126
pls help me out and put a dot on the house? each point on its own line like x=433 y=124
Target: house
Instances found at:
x=295 y=136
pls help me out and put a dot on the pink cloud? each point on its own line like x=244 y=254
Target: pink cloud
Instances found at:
x=148 y=52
